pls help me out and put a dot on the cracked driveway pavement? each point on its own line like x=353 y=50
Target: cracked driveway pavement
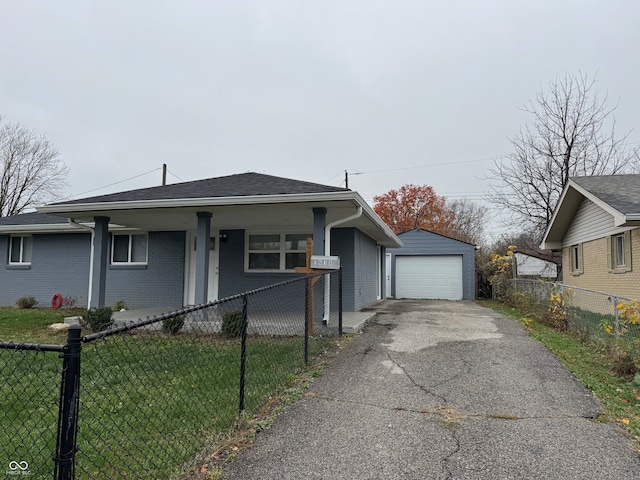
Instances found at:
x=441 y=390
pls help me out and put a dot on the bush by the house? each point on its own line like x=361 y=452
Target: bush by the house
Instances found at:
x=26 y=302
x=98 y=319
x=119 y=306
x=172 y=325
x=68 y=301
x=232 y=323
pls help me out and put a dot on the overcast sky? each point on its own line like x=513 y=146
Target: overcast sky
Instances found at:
x=394 y=92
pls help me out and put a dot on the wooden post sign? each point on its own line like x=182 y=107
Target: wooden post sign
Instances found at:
x=315 y=264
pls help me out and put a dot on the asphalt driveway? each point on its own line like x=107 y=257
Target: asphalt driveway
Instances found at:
x=441 y=390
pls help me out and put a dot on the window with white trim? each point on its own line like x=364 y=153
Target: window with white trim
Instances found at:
x=576 y=259
x=619 y=251
x=20 y=249
x=275 y=251
x=129 y=249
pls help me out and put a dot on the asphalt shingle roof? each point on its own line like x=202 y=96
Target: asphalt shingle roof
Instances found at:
x=239 y=185
x=32 y=219
x=621 y=192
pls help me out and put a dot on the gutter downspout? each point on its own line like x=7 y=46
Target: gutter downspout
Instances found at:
x=327 y=251
x=93 y=236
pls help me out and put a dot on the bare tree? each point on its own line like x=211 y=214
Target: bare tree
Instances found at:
x=31 y=171
x=572 y=134
x=469 y=220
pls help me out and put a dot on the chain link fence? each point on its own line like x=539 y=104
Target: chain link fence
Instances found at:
x=587 y=312
x=157 y=393
x=29 y=399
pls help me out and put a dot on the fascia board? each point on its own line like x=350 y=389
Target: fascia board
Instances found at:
x=57 y=228
x=39 y=228
x=545 y=244
x=394 y=242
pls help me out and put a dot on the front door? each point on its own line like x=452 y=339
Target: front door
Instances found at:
x=190 y=267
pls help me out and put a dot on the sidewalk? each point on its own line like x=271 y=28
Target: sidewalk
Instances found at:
x=440 y=390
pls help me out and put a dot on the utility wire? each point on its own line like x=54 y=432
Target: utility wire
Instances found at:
x=117 y=183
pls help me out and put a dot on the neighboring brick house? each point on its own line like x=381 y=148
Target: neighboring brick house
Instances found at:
x=596 y=225
x=140 y=245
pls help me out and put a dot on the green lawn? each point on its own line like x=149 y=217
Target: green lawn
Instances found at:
x=149 y=402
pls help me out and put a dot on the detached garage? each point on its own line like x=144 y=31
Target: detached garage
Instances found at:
x=431 y=266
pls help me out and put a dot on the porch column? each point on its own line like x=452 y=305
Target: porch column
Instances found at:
x=202 y=258
x=100 y=256
x=319 y=221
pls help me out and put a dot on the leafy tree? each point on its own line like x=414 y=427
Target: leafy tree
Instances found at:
x=31 y=171
x=413 y=206
x=572 y=133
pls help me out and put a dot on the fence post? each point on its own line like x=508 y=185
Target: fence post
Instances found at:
x=69 y=402
x=340 y=301
x=243 y=354
x=616 y=315
x=306 y=320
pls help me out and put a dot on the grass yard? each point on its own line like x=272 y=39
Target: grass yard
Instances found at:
x=619 y=397
x=30 y=325
x=149 y=402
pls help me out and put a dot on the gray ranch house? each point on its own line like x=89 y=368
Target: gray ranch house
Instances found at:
x=146 y=246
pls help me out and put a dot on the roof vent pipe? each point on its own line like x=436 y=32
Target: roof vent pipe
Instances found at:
x=327 y=251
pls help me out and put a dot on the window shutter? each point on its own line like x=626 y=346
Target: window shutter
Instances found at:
x=627 y=251
x=609 y=254
x=580 y=259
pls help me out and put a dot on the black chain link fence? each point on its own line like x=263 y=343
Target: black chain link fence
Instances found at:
x=158 y=392
x=29 y=399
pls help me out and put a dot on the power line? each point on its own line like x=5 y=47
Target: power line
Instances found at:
x=427 y=166
x=117 y=183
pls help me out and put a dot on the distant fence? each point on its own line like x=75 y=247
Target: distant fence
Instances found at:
x=594 y=313
x=146 y=399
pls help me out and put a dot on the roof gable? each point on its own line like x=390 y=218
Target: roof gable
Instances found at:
x=425 y=232
x=617 y=195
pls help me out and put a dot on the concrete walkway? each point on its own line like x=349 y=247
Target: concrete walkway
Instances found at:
x=440 y=390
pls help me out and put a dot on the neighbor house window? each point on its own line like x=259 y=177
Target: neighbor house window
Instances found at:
x=275 y=251
x=619 y=252
x=576 y=259
x=20 y=250
x=129 y=249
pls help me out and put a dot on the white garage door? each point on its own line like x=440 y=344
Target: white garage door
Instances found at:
x=437 y=276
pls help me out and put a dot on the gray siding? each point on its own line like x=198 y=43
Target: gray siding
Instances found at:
x=589 y=223
x=232 y=278
x=158 y=284
x=421 y=242
x=59 y=264
x=357 y=256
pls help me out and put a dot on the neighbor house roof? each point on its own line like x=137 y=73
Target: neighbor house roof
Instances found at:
x=619 y=195
x=247 y=200
x=546 y=255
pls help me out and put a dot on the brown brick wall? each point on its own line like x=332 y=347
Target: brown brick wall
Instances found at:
x=596 y=274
